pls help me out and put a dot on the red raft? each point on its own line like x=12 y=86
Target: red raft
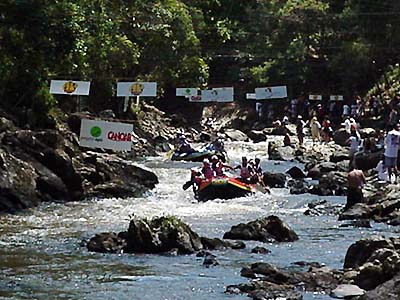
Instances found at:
x=223 y=188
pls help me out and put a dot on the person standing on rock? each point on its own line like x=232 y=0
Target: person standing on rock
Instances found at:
x=392 y=141
x=355 y=181
x=315 y=129
x=300 y=129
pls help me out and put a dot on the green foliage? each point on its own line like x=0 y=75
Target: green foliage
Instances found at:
x=324 y=46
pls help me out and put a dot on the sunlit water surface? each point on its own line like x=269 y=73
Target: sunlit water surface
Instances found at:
x=41 y=253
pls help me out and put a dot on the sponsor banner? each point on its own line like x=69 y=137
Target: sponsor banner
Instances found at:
x=106 y=135
x=224 y=94
x=336 y=98
x=315 y=97
x=272 y=92
x=187 y=92
x=69 y=87
x=136 y=89
x=251 y=96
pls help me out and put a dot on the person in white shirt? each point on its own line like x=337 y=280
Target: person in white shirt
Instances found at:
x=347 y=124
x=315 y=129
x=392 y=141
x=354 y=143
x=382 y=171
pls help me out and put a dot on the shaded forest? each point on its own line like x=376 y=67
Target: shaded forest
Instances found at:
x=320 y=47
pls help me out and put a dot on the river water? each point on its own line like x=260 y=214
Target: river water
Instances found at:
x=42 y=255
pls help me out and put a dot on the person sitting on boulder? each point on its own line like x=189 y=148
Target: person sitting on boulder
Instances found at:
x=218 y=166
x=246 y=171
x=206 y=170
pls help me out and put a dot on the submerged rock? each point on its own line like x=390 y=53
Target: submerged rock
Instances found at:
x=107 y=242
x=268 y=229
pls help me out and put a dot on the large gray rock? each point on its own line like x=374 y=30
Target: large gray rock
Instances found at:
x=17 y=183
x=257 y=136
x=367 y=161
x=268 y=229
x=276 y=180
x=357 y=211
x=389 y=290
x=359 y=252
x=236 y=135
x=161 y=235
x=341 y=136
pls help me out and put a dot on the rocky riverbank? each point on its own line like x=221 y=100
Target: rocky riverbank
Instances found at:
x=48 y=165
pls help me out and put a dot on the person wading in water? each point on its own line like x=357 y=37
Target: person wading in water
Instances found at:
x=356 y=181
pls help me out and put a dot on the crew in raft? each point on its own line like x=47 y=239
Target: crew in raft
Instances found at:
x=209 y=170
x=247 y=173
x=218 y=166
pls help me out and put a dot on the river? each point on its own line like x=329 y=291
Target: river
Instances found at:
x=42 y=255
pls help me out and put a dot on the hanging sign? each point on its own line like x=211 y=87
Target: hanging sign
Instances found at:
x=136 y=89
x=273 y=92
x=315 y=97
x=106 y=135
x=69 y=87
x=251 y=96
x=186 y=92
x=336 y=98
x=224 y=94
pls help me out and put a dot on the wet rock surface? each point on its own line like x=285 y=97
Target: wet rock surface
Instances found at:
x=49 y=165
x=269 y=229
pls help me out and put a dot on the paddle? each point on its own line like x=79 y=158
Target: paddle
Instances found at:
x=169 y=154
x=264 y=188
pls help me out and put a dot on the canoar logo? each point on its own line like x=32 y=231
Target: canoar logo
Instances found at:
x=95 y=131
x=70 y=87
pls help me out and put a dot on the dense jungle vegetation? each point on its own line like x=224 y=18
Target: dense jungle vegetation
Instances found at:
x=318 y=46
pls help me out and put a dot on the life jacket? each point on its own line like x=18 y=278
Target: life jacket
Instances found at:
x=208 y=172
x=218 y=169
x=245 y=172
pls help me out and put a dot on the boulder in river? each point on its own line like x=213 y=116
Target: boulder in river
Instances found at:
x=257 y=136
x=236 y=135
x=275 y=180
x=269 y=229
x=160 y=235
x=107 y=242
x=296 y=173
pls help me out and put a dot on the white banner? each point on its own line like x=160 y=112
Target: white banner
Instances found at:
x=106 y=135
x=69 y=87
x=272 y=92
x=336 y=98
x=138 y=89
x=251 y=96
x=224 y=94
x=187 y=92
x=315 y=97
